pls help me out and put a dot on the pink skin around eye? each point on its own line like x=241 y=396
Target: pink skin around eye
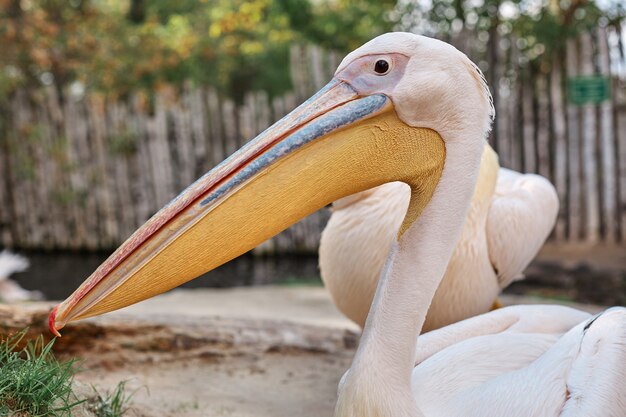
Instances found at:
x=361 y=76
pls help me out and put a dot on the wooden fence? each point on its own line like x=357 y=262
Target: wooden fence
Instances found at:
x=581 y=148
x=82 y=172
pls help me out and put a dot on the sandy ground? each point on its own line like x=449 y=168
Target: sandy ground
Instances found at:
x=303 y=305
x=263 y=351
x=268 y=351
x=269 y=378
x=272 y=382
x=602 y=256
x=268 y=385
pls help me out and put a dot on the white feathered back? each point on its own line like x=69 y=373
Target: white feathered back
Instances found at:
x=522 y=214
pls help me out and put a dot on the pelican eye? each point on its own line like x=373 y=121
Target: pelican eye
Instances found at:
x=381 y=67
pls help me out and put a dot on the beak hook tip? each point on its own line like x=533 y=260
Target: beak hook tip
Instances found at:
x=52 y=322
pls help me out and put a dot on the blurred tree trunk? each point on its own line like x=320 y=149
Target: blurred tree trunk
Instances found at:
x=15 y=9
x=137 y=11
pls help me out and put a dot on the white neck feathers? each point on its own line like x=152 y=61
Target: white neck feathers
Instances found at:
x=378 y=383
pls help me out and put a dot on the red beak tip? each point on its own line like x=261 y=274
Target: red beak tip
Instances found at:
x=51 y=322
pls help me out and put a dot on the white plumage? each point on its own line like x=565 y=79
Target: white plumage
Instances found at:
x=521 y=215
x=10 y=291
x=510 y=217
x=11 y=263
x=535 y=361
x=522 y=361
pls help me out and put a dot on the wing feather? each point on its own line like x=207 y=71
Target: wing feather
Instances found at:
x=521 y=215
x=596 y=383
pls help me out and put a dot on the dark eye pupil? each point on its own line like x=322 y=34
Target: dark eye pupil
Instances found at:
x=381 y=66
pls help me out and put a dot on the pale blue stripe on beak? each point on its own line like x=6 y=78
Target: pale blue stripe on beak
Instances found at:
x=350 y=112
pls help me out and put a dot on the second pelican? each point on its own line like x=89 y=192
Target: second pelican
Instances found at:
x=510 y=217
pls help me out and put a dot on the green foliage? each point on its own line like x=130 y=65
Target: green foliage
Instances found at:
x=326 y=22
x=301 y=281
x=540 y=29
x=545 y=32
x=32 y=381
x=111 y=404
x=120 y=46
x=123 y=143
x=64 y=196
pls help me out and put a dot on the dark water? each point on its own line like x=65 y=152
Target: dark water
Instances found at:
x=57 y=274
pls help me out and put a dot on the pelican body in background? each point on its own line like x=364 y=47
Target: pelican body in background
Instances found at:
x=510 y=217
x=400 y=108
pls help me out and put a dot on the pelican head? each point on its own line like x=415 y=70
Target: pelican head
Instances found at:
x=388 y=114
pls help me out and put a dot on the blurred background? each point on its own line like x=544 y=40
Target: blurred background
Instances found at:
x=109 y=108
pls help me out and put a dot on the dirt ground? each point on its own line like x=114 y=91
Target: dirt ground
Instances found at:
x=580 y=273
x=268 y=351
x=262 y=351
x=264 y=385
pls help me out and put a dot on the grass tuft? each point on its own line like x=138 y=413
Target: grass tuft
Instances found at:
x=111 y=404
x=32 y=382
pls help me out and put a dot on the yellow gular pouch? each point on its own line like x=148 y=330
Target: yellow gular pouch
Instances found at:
x=360 y=156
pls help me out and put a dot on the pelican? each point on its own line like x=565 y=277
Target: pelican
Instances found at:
x=510 y=217
x=400 y=108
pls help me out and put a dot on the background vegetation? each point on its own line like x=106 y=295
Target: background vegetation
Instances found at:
x=118 y=46
x=140 y=97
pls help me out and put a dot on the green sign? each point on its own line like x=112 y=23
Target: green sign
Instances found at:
x=590 y=89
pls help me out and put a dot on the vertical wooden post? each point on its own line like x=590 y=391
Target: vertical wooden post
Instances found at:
x=528 y=118
x=607 y=150
x=515 y=120
x=543 y=126
x=142 y=169
x=159 y=151
x=573 y=133
x=185 y=170
x=103 y=185
x=121 y=147
x=620 y=142
x=199 y=118
x=217 y=147
x=560 y=145
x=230 y=131
x=589 y=157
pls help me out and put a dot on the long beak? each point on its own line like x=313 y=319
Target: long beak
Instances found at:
x=335 y=144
